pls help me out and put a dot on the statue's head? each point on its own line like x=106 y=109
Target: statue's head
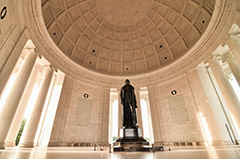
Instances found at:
x=127 y=81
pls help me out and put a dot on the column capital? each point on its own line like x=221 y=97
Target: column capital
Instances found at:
x=53 y=67
x=225 y=40
x=230 y=36
x=38 y=53
x=209 y=58
x=28 y=50
x=212 y=61
x=33 y=50
x=235 y=35
x=226 y=56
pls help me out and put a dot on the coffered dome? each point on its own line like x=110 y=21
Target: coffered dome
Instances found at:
x=126 y=37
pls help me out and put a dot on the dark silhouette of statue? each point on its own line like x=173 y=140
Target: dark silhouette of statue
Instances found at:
x=131 y=135
x=128 y=100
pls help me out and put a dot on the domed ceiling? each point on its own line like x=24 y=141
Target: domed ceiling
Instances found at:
x=126 y=37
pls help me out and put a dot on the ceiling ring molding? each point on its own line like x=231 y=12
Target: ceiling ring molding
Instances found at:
x=219 y=27
x=107 y=37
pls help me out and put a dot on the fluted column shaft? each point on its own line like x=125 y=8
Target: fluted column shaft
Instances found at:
x=139 y=110
x=157 y=136
x=10 y=106
x=227 y=91
x=234 y=45
x=16 y=123
x=31 y=127
x=233 y=66
x=120 y=114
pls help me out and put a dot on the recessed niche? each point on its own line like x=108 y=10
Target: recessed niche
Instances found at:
x=160 y=46
x=54 y=33
x=93 y=51
x=90 y=62
x=203 y=21
x=127 y=69
x=165 y=58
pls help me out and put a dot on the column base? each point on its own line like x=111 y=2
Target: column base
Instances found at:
x=2 y=145
x=52 y=144
x=26 y=145
x=10 y=144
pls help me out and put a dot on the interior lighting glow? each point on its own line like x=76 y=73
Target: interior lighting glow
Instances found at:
x=205 y=129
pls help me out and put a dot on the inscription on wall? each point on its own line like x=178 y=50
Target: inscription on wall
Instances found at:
x=178 y=109
x=83 y=112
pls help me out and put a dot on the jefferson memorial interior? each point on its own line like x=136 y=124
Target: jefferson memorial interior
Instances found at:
x=63 y=63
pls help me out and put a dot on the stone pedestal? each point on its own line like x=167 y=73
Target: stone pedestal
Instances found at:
x=131 y=140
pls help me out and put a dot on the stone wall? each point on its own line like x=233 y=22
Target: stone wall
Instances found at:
x=181 y=112
x=12 y=39
x=82 y=115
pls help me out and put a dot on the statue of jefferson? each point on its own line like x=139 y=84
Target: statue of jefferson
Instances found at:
x=128 y=100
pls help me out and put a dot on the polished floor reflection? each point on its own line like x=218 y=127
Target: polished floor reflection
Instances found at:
x=231 y=152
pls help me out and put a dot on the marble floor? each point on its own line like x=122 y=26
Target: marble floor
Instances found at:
x=231 y=152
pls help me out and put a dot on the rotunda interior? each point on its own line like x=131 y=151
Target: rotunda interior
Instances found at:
x=63 y=63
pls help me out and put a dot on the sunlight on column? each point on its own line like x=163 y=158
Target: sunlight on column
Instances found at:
x=41 y=130
x=146 y=128
x=50 y=116
x=38 y=153
x=7 y=90
x=115 y=119
x=49 y=111
x=212 y=152
x=235 y=85
x=19 y=154
x=113 y=116
x=235 y=124
x=31 y=102
x=205 y=129
x=146 y=115
x=110 y=123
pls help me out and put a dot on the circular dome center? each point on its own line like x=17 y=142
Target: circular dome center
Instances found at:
x=123 y=12
x=126 y=37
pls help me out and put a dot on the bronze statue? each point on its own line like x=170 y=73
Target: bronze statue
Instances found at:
x=131 y=135
x=128 y=100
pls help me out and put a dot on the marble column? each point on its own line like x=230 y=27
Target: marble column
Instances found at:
x=139 y=110
x=120 y=114
x=226 y=89
x=234 y=45
x=30 y=130
x=157 y=136
x=233 y=65
x=105 y=116
x=16 y=123
x=60 y=120
x=10 y=106
x=110 y=121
